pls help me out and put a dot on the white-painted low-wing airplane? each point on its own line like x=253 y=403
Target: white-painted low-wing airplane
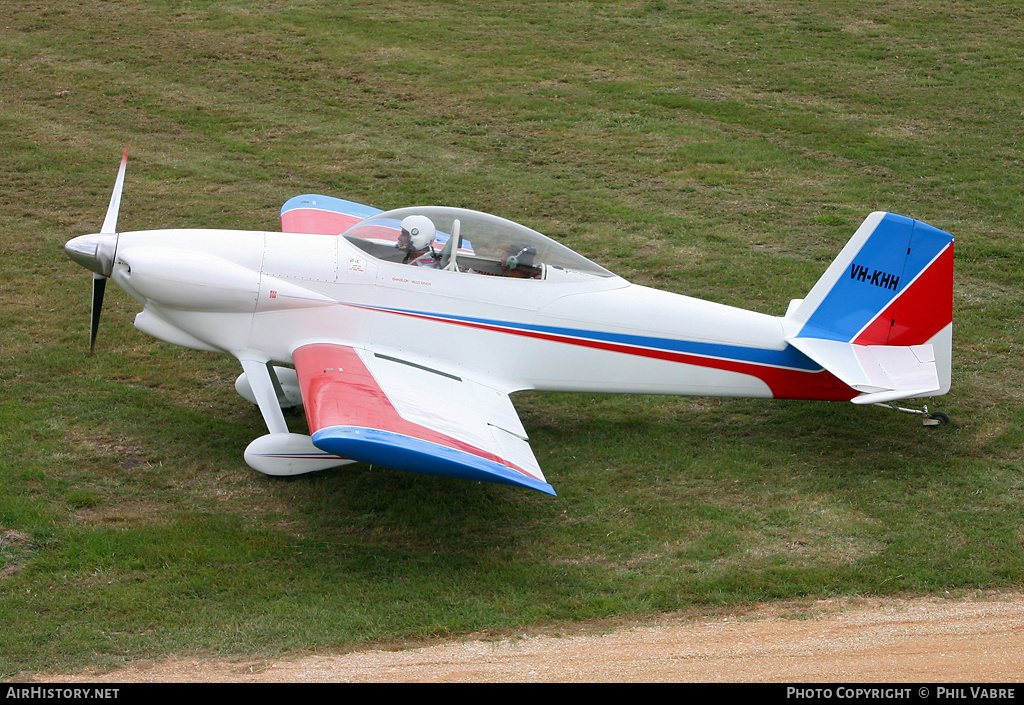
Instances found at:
x=403 y=333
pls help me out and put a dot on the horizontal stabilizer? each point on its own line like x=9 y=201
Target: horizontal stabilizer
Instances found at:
x=882 y=372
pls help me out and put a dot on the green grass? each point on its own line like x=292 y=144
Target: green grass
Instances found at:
x=722 y=149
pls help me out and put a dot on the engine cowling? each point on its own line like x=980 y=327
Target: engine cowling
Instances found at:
x=188 y=280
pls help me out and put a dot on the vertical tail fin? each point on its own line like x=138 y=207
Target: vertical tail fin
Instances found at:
x=881 y=317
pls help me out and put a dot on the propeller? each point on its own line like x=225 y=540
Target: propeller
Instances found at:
x=96 y=252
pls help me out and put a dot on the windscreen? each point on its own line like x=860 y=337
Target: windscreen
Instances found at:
x=484 y=240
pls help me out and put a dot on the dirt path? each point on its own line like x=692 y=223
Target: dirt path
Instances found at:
x=978 y=640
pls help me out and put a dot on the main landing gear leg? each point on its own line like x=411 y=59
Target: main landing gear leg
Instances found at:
x=936 y=418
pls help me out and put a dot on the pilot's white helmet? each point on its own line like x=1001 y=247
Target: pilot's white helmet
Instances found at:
x=420 y=231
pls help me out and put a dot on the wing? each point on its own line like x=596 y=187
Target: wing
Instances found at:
x=385 y=411
x=322 y=215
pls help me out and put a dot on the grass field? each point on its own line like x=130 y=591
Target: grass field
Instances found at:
x=725 y=149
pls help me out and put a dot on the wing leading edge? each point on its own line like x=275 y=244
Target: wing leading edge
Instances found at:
x=386 y=411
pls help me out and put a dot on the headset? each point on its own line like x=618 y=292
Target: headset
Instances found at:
x=514 y=260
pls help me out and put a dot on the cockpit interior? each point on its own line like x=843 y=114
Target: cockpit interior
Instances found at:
x=467 y=241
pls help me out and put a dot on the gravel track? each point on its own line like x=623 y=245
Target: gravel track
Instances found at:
x=979 y=640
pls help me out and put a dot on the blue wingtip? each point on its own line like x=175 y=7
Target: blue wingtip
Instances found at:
x=401 y=452
x=329 y=203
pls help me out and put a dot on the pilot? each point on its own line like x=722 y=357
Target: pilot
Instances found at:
x=415 y=239
x=517 y=261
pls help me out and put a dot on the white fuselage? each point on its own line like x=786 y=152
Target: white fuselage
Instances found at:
x=243 y=291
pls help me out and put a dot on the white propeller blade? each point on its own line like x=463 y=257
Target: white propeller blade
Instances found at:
x=110 y=222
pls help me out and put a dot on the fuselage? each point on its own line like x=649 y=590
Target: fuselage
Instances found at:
x=240 y=291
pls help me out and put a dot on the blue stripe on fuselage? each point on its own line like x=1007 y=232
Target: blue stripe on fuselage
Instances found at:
x=789 y=357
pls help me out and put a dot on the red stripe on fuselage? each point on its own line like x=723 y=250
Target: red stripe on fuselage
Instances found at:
x=784 y=383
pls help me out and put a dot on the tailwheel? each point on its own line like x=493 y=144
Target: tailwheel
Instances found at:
x=934 y=418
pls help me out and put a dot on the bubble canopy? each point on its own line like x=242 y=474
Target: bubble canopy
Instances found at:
x=482 y=240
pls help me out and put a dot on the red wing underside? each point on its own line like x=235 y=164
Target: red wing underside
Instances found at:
x=385 y=411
